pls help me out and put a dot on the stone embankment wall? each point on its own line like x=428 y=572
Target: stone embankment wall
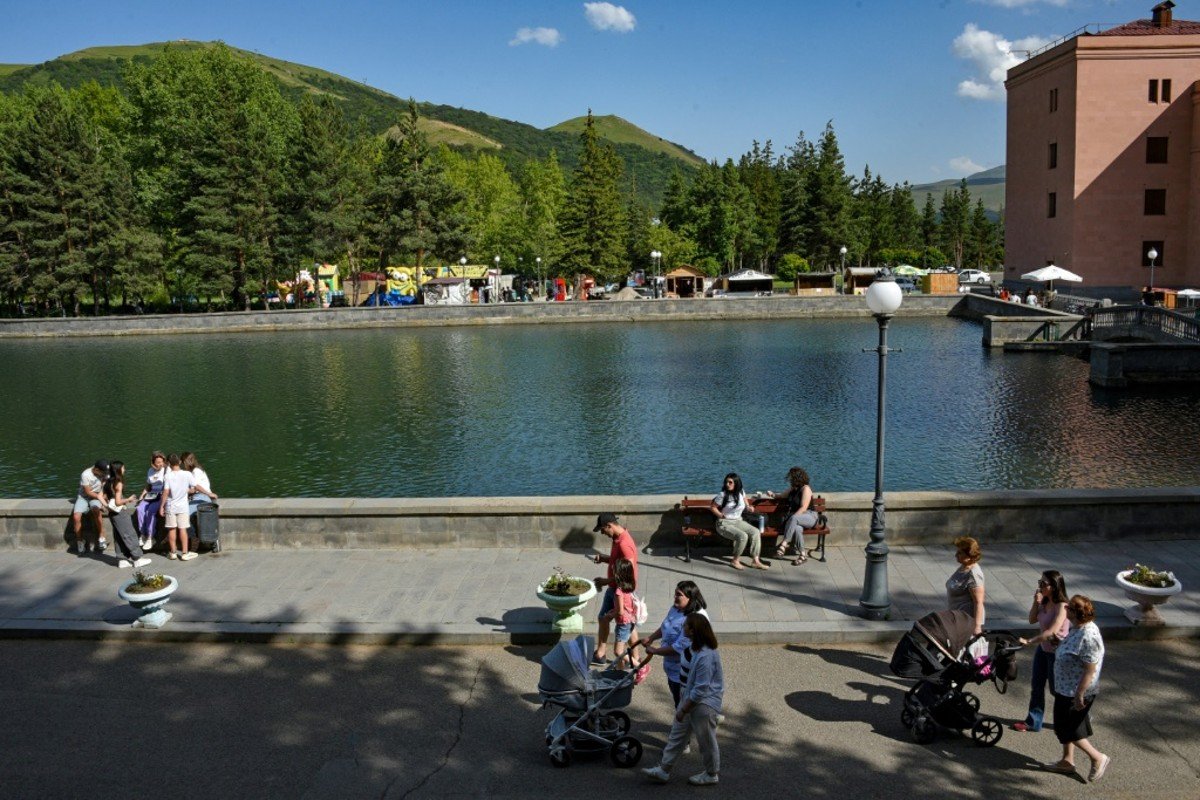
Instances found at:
x=924 y=518
x=778 y=307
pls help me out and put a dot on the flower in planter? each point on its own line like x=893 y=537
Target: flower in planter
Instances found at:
x=1144 y=576
x=145 y=584
x=561 y=584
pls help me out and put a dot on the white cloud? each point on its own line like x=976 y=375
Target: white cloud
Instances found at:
x=549 y=37
x=1023 y=3
x=963 y=165
x=992 y=56
x=607 y=17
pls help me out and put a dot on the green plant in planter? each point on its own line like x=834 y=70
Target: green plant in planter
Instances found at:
x=561 y=584
x=145 y=584
x=1144 y=576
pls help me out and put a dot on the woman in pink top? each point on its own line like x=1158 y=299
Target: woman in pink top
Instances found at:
x=1049 y=611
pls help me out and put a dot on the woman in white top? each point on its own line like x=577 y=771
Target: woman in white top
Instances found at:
x=728 y=507
x=204 y=492
x=1077 y=664
x=148 y=521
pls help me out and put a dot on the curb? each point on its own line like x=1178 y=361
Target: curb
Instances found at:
x=1114 y=628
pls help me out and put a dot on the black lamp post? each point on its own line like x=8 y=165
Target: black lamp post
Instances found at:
x=883 y=298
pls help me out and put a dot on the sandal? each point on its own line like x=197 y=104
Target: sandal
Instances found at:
x=781 y=551
x=800 y=559
x=760 y=565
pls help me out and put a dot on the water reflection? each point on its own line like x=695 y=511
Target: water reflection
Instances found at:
x=582 y=409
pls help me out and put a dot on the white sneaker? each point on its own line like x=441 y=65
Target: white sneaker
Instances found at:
x=187 y=556
x=173 y=556
x=125 y=563
x=703 y=779
x=143 y=562
x=657 y=774
x=101 y=545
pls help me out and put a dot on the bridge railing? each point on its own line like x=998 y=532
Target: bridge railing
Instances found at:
x=1180 y=327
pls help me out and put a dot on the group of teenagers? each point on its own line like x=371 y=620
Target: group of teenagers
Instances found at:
x=1068 y=658
x=176 y=485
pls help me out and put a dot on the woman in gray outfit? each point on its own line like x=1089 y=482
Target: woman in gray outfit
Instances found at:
x=700 y=708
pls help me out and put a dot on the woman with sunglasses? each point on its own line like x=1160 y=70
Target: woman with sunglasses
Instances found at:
x=1049 y=612
x=728 y=507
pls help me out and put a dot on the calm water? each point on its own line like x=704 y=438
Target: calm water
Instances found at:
x=581 y=409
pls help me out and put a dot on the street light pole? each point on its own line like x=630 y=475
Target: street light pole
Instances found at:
x=656 y=262
x=883 y=298
x=541 y=282
x=844 y=285
x=496 y=279
x=1152 y=254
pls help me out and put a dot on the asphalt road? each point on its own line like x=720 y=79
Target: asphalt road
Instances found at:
x=100 y=720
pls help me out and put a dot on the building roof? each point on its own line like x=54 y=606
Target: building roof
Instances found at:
x=1146 y=27
x=747 y=275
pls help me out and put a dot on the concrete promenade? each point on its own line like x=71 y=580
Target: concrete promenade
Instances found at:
x=465 y=596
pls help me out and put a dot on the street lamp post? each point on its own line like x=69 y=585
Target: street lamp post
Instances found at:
x=495 y=292
x=883 y=298
x=1152 y=254
x=656 y=260
x=844 y=286
x=541 y=282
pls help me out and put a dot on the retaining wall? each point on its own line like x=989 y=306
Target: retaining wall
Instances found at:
x=930 y=518
x=776 y=307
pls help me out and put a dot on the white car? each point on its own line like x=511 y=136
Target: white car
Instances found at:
x=974 y=276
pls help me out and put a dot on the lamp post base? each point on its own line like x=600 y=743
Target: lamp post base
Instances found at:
x=876 y=603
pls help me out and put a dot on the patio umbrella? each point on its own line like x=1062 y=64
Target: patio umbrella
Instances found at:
x=908 y=271
x=1051 y=274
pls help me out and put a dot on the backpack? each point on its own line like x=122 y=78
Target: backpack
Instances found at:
x=640 y=612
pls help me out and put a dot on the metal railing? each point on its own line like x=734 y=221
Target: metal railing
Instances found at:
x=1172 y=324
x=1090 y=28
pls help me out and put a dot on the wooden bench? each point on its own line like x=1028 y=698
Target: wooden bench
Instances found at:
x=699 y=522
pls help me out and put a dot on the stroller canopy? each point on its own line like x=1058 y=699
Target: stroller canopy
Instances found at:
x=935 y=640
x=565 y=668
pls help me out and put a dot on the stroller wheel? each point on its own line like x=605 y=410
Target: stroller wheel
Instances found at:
x=560 y=756
x=972 y=700
x=907 y=718
x=986 y=732
x=626 y=752
x=924 y=730
x=621 y=719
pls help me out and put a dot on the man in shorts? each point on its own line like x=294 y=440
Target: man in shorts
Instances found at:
x=623 y=546
x=90 y=501
x=177 y=487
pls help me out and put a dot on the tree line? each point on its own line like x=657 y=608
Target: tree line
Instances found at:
x=199 y=177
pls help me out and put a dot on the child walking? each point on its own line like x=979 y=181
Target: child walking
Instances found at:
x=624 y=612
x=176 y=488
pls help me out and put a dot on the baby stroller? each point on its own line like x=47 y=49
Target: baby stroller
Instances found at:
x=935 y=651
x=589 y=702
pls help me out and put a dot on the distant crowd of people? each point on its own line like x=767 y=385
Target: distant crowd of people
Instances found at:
x=175 y=487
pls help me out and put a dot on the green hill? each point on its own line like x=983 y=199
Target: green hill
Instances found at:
x=649 y=160
x=619 y=131
x=988 y=185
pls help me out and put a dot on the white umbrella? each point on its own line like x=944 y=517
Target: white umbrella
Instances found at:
x=1051 y=274
x=1188 y=293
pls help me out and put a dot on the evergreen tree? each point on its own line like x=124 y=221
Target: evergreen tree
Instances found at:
x=756 y=172
x=828 y=214
x=874 y=222
x=906 y=221
x=543 y=194
x=794 y=175
x=929 y=235
x=593 y=220
x=983 y=248
x=413 y=205
x=955 y=224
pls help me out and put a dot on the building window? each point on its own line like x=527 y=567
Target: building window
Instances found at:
x=1053 y=100
x=1052 y=205
x=1166 y=90
x=1053 y=155
x=1152 y=95
x=1147 y=247
x=1156 y=149
x=1156 y=202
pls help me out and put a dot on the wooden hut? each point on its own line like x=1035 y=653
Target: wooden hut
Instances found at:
x=686 y=281
x=815 y=284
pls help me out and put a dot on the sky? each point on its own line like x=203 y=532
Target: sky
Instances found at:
x=914 y=88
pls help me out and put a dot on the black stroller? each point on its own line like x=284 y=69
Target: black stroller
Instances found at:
x=936 y=652
x=590 y=719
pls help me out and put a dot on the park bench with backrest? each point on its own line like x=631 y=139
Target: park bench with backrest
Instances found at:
x=770 y=514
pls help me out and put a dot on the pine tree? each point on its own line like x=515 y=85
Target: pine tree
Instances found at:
x=756 y=171
x=543 y=194
x=955 y=222
x=929 y=233
x=593 y=221
x=828 y=213
x=794 y=173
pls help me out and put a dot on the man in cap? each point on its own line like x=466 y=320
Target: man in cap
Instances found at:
x=623 y=546
x=90 y=501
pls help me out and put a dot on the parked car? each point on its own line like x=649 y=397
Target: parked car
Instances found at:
x=906 y=284
x=974 y=276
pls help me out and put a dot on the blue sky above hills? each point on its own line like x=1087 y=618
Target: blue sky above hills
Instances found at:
x=913 y=86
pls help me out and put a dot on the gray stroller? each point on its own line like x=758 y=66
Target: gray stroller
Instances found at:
x=590 y=719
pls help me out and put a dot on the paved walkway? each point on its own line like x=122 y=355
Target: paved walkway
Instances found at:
x=463 y=596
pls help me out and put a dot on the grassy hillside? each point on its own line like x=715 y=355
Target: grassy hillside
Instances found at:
x=8 y=69
x=619 y=131
x=648 y=159
x=988 y=185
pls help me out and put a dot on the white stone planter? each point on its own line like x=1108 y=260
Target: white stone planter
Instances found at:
x=149 y=605
x=566 y=608
x=1148 y=598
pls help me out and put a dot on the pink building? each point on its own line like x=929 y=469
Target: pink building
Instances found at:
x=1101 y=167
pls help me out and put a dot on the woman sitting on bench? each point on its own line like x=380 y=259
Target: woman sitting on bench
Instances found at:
x=799 y=515
x=728 y=507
